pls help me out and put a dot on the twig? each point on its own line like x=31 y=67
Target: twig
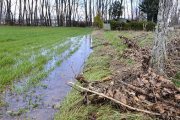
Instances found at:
x=70 y=85
x=73 y=70
x=87 y=70
x=132 y=108
x=84 y=61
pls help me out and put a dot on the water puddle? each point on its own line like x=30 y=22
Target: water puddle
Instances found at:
x=38 y=103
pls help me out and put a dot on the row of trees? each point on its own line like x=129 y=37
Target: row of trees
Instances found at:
x=65 y=12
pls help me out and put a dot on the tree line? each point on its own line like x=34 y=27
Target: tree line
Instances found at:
x=66 y=12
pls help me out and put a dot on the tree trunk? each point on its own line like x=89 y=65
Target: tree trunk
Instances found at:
x=85 y=5
x=102 y=10
x=35 y=15
x=14 y=20
x=29 y=17
x=127 y=10
x=62 y=16
x=8 y=17
x=24 y=12
x=65 y=12
x=69 y=13
x=42 y=13
x=124 y=8
x=99 y=7
x=1 y=8
x=90 y=13
x=159 y=55
x=32 y=5
x=132 y=12
x=49 y=13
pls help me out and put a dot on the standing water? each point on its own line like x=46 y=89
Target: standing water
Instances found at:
x=38 y=103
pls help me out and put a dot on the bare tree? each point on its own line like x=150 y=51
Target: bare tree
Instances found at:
x=8 y=13
x=35 y=14
x=62 y=16
x=132 y=12
x=1 y=9
x=57 y=12
x=49 y=13
x=31 y=12
x=127 y=9
x=65 y=16
x=70 y=8
x=85 y=7
x=24 y=12
x=159 y=55
x=90 y=13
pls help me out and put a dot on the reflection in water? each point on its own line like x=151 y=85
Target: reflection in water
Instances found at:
x=38 y=102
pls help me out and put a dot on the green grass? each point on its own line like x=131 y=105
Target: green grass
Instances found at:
x=21 y=50
x=148 y=40
x=97 y=67
x=176 y=79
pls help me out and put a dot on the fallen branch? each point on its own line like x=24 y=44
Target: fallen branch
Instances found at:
x=132 y=108
x=70 y=85
x=79 y=77
x=102 y=81
x=139 y=90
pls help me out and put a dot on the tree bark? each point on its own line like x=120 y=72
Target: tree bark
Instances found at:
x=132 y=12
x=1 y=8
x=8 y=17
x=24 y=12
x=42 y=13
x=159 y=55
x=90 y=13
x=69 y=13
x=62 y=16
x=35 y=15
x=127 y=10
x=32 y=4
x=85 y=7
x=49 y=13
x=65 y=18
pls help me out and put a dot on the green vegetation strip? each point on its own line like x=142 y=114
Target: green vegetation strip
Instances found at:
x=97 y=67
x=21 y=50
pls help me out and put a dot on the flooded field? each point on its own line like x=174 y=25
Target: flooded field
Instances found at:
x=41 y=100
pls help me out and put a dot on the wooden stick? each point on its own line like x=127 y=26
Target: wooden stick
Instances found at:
x=70 y=85
x=73 y=70
x=132 y=108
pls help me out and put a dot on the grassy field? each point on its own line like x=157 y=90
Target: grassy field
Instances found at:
x=100 y=65
x=24 y=51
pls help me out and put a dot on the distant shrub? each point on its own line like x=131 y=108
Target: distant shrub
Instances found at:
x=116 y=25
x=142 y=25
x=82 y=24
x=127 y=26
x=98 y=22
x=150 y=26
x=121 y=25
x=113 y=25
x=134 y=25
